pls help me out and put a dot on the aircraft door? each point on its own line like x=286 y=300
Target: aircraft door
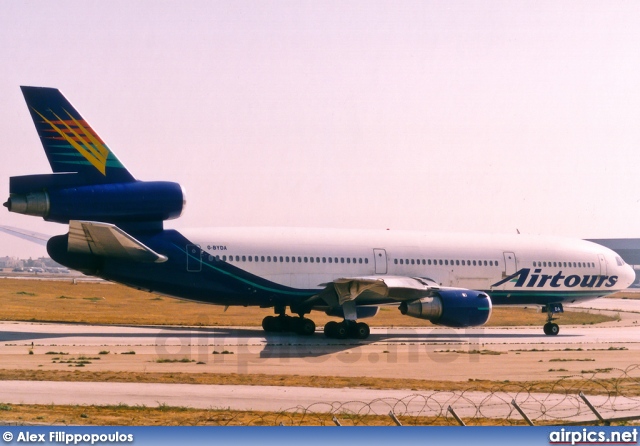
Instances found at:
x=510 y=266
x=380 y=260
x=603 y=265
x=194 y=259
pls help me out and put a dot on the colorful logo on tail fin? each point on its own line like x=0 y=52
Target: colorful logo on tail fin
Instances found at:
x=82 y=138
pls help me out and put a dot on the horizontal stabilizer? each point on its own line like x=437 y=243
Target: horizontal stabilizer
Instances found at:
x=107 y=240
x=35 y=237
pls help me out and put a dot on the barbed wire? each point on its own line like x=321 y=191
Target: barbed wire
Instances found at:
x=613 y=397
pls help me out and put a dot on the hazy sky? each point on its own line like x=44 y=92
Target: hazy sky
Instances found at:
x=436 y=116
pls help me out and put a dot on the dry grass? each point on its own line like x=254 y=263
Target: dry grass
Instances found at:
x=628 y=294
x=107 y=303
x=124 y=415
x=593 y=386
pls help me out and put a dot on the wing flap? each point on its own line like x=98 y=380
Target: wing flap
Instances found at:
x=374 y=289
x=107 y=240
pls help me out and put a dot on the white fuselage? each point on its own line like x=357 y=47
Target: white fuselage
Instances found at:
x=310 y=258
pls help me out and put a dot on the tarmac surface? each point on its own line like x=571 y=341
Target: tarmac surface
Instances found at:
x=516 y=354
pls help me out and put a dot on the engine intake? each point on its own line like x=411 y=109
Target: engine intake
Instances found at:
x=451 y=308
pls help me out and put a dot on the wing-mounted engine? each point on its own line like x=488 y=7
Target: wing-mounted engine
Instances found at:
x=451 y=307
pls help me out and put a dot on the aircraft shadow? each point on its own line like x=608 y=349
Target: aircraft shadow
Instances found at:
x=274 y=345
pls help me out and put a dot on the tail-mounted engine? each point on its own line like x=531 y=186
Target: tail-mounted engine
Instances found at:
x=63 y=197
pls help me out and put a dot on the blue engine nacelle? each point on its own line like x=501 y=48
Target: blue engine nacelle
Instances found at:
x=451 y=308
x=138 y=201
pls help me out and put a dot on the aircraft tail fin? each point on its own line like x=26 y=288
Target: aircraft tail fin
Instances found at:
x=71 y=145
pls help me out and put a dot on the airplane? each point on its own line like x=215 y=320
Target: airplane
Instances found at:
x=116 y=232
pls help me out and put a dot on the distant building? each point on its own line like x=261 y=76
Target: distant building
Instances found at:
x=11 y=262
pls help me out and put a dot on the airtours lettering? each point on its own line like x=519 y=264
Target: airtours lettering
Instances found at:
x=524 y=278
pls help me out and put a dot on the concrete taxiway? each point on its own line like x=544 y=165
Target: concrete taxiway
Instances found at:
x=413 y=353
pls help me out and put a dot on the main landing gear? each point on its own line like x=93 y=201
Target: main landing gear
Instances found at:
x=346 y=329
x=551 y=328
x=284 y=323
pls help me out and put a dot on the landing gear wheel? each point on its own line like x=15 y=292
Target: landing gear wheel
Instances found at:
x=305 y=327
x=268 y=324
x=360 y=331
x=342 y=330
x=551 y=329
x=330 y=329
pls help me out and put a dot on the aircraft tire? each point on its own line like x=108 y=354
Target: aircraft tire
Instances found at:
x=551 y=329
x=267 y=323
x=330 y=329
x=305 y=327
x=342 y=330
x=361 y=331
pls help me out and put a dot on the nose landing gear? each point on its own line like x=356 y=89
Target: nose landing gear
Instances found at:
x=551 y=328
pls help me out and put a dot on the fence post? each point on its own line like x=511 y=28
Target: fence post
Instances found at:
x=394 y=418
x=524 y=415
x=336 y=421
x=455 y=415
x=593 y=409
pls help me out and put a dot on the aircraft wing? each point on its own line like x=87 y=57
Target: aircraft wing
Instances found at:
x=371 y=290
x=105 y=239
x=35 y=237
